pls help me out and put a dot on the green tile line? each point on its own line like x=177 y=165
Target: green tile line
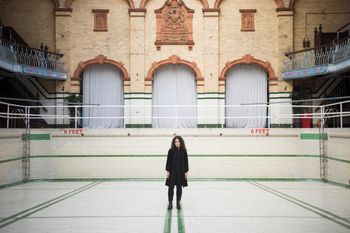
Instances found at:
x=26 y=137
x=151 y=156
x=191 y=155
x=313 y=136
x=323 y=213
x=18 y=216
x=12 y=184
x=167 y=222
x=338 y=160
x=305 y=203
x=10 y=160
x=190 y=179
x=164 y=156
x=180 y=221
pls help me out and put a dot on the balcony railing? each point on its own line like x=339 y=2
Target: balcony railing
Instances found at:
x=316 y=57
x=16 y=54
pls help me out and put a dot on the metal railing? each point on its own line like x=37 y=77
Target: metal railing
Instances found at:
x=275 y=113
x=27 y=56
x=312 y=57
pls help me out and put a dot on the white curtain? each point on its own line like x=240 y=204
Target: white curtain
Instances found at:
x=246 y=84
x=103 y=85
x=174 y=85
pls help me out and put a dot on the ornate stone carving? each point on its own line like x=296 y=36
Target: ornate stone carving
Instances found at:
x=247 y=20
x=174 y=24
x=100 y=24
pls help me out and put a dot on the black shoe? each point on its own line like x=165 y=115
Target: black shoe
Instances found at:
x=178 y=206
x=170 y=206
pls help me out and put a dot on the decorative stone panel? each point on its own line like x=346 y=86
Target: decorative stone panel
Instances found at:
x=174 y=24
x=247 y=20
x=100 y=20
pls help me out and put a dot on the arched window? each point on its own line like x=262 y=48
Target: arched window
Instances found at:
x=246 y=86
x=174 y=85
x=102 y=85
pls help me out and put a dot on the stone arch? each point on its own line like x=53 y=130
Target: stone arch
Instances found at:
x=174 y=60
x=279 y=3
x=56 y=3
x=100 y=59
x=144 y=2
x=292 y=4
x=249 y=59
x=68 y=3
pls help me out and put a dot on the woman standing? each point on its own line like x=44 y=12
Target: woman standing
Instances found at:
x=177 y=168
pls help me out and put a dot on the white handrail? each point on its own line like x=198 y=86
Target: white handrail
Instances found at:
x=317 y=112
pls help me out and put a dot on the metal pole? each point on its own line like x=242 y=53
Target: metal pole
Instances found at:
x=75 y=117
x=8 y=116
x=322 y=117
x=341 y=115
x=28 y=123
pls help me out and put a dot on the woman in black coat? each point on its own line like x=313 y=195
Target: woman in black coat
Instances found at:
x=177 y=168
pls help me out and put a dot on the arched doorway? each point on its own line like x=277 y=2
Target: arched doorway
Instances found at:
x=102 y=84
x=174 y=85
x=246 y=86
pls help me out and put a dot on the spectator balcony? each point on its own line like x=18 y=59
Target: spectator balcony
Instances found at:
x=325 y=60
x=17 y=57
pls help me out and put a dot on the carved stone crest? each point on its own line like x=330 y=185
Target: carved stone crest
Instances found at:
x=247 y=20
x=174 y=24
x=100 y=20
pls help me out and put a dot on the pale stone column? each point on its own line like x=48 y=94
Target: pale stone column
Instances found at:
x=210 y=94
x=137 y=95
x=280 y=91
x=63 y=45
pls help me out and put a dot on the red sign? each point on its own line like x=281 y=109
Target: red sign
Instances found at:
x=74 y=131
x=260 y=131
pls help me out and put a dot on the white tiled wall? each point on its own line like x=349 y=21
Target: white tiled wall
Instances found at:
x=10 y=148
x=338 y=147
x=141 y=153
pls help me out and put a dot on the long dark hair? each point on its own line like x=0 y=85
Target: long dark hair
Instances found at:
x=182 y=144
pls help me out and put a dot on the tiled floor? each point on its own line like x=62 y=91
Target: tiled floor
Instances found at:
x=208 y=207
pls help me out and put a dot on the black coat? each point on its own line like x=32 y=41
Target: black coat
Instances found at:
x=182 y=169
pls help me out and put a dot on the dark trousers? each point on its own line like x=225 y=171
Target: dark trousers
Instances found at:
x=171 y=192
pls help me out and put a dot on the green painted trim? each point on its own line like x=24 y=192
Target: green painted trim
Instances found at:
x=313 y=136
x=138 y=126
x=12 y=184
x=163 y=179
x=100 y=179
x=252 y=179
x=10 y=160
x=281 y=126
x=255 y=155
x=152 y=156
x=137 y=98
x=26 y=137
x=180 y=221
x=18 y=216
x=211 y=126
x=164 y=155
x=347 y=186
x=339 y=160
x=306 y=205
x=93 y=156
x=167 y=222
